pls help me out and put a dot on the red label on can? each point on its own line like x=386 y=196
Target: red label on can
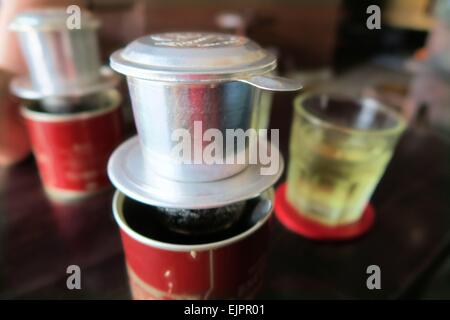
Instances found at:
x=231 y=271
x=72 y=154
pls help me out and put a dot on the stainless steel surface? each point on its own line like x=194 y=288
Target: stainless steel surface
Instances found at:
x=273 y=83
x=50 y=19
x=22 y=87
x=198 y=57
x=261 y=118
x=191 y=57
x=160 y=108
x=129 y=174
x=61 y=61
x=176 y=79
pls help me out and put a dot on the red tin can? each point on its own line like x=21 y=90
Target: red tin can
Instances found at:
x=72 y=150
x=232 y=267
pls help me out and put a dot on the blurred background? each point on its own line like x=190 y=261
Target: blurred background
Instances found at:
x=326 y=44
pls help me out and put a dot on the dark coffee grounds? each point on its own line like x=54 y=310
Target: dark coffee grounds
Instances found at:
x=200 y=221
x=146 y=220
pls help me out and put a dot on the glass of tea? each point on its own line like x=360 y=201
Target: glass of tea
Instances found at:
x=339 y=150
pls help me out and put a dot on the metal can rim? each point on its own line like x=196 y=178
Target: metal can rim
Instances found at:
x=119 y=198
x=115 y=101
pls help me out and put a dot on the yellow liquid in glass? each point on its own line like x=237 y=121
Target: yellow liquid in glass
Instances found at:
x=332 y=177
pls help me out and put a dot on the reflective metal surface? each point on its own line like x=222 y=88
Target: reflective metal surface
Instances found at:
x=22 y=87
x=161 y=108
x=129 y=174
x=51 y=19
x=177 y=79
x=192 y=56
x=273 y=83
x=200 y=57
x=61 y=61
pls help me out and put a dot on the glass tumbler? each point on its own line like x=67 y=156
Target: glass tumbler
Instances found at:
x=339 y=150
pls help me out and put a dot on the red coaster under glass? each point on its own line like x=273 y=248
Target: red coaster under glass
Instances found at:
x=298 y=223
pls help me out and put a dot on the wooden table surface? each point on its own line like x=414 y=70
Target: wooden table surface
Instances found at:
x=409 y=241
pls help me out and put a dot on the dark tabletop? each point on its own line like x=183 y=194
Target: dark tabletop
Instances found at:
x=409 y=241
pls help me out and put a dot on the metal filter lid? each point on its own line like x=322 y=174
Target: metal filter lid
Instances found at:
x=189 y=56
x=50 y=20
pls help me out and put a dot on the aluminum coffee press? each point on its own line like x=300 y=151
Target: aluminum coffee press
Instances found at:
x=70 y=106
x=193 y=82
x=194 y=230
